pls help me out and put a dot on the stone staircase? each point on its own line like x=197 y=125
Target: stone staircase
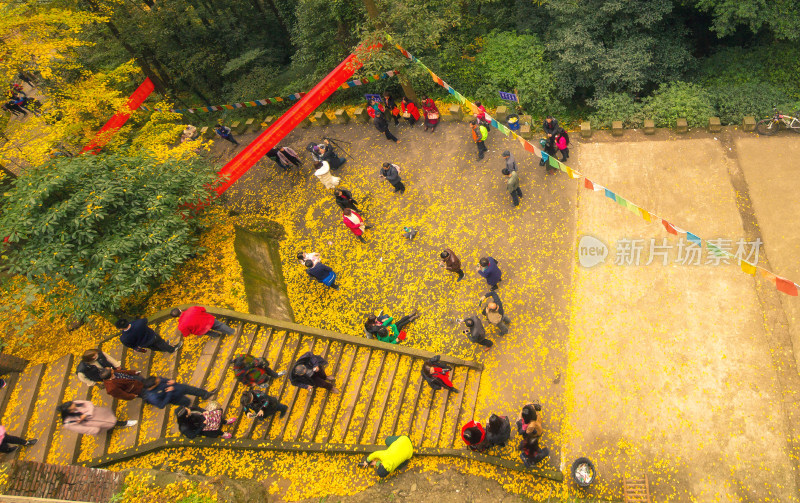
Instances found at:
x=382 y=393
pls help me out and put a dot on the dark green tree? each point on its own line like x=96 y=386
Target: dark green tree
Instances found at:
x=601 y=46
x=781 y=17
x=94 y=231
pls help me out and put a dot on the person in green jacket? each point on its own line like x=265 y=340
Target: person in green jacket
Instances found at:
x=400 y=449
x=383 y=327
x=479 y=135
x=512 y=185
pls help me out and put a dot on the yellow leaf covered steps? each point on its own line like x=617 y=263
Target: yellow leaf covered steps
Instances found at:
x=382 y=393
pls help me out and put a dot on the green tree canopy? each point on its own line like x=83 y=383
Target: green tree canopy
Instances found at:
x=93 y=231
x=782 y=17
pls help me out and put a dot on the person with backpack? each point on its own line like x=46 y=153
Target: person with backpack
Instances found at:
x=562 y=143
x=479 y=135
x=512 y=186
x=225 y=133
x=252 y=371
x=93 y=362
x=391 y=173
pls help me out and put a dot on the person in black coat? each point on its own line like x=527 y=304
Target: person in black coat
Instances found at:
x=381 y=125
x=329 y=154
x=309 y=372
x=550 y=127
x=192 y=423
x=437 y=374
x=391 y=173
x=259 y=405
x=498 y=430
x=344 y=198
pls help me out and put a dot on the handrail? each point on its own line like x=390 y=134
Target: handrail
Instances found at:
x=162 y=315
x=277 y=445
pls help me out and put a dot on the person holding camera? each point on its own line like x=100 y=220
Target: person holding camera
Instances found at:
x=437 y=374
x=476 y=333
x=494 y=312
x=399 y=451
x=259 y=405
x=451 y=262
x=328 y=153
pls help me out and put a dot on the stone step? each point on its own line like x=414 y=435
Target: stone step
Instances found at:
x=301 y=400
x=467 y=412
x=294 y=345
x=380 y=400
x=22 y=401
x=12 y=378
x=361 y=411
x=44 y=419
x=308 y=419
x=449 y=424
x=99 y=398
x=64 y=448
x=344 y=414
x=332 y=401
x=124 y=438
x=287 y=393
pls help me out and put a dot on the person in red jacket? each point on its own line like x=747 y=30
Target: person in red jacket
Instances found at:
x=409 y=111
x=355 y=223
x=196 y=321
x=474 y=436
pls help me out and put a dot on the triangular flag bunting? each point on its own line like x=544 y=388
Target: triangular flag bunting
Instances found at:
x=554 y=162
x=611 y=195
x=645 y=214
x=693 y=239
x=588 y=184
x=621 y=200
x=786 y=286
x=670 y=228
x=747 y=267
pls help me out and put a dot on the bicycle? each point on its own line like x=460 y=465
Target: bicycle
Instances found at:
x=771 y=126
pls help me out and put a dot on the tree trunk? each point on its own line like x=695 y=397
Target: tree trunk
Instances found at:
x=278 y=16
x=405 y=83
x=158 y=84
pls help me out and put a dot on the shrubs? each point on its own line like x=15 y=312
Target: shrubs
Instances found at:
x=676 y=100
x=616 y=107
x=735 y=101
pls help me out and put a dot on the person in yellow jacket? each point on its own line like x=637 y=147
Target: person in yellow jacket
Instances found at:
x=388 y=460
x=479 y=134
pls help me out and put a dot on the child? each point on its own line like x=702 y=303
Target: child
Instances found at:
x=410 y=233
x=562 y=143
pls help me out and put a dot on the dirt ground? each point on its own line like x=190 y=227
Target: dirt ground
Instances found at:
x=685 y=373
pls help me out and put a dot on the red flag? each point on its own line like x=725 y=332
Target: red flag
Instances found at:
x=120 y=118
x=588 y=184
x=786 y=286
x=669 y=227
x=527 y=146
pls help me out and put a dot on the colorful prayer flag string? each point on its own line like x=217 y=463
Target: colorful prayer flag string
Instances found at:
x=267 y=101
x=781 y=284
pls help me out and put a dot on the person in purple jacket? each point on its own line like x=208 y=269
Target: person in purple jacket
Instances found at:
x=489 y=270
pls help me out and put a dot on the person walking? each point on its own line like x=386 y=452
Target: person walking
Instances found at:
x=391 y=173
x=498 y=431
x=323 y=172
x=562 y=143
x=355 y=223
x=160 y=391
x=409 y=111
x=10 y=443
x=474 y=435
x=259 y=405
x=196 y=421
x=529 y=425
x=494 y=312
x=225 y=133
x=490 y=271
x=197 y=321
x=510 y=162
x=284 y=157
x=122 y=384
x=81 y=416
x=476 y=333
x=139 y=337
x=479 y=135
x=322 y=273
x=431 y=113
x=451 y=262
x=395 y=457
x=391 y=108
x=328 y=153
x=344 y=199
x=252 y=371
x=512 y=186
x=382 y=126
x=309 y=372
x=437 y=374
x=93 y=362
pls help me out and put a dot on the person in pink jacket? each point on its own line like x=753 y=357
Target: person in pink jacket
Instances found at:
x=355 y=223
x=81 y=416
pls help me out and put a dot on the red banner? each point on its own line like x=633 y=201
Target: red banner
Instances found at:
x=258 y=148
x=120 y=118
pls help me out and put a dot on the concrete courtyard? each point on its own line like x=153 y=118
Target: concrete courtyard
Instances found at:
x=686 y=373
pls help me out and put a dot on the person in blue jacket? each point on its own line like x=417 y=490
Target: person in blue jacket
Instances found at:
x=489 y=270
x=160 y=391
x=139 y=337
x=322 y=273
